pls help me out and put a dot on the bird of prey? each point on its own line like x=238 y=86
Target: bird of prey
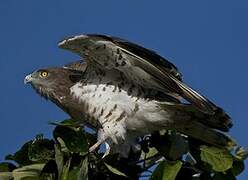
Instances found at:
x=127 y=91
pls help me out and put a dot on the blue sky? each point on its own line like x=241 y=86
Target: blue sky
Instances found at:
x=207 y=40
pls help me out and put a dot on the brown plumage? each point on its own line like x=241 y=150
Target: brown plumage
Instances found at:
x=128 y=91
x=56 y=88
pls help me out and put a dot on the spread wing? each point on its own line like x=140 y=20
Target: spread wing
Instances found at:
x=138 y=64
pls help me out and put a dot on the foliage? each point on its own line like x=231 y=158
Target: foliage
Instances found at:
x=163 y=155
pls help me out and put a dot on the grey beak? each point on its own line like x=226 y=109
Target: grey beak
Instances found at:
x=28 y=79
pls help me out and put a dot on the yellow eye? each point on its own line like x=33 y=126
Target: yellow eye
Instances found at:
x=43 y=74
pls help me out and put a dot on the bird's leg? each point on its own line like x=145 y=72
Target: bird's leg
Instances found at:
x=97 y=144
x=101 y=138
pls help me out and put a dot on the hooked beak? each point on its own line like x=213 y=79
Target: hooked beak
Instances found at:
x=28 y=79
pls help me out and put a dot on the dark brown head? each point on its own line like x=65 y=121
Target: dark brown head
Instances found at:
x=53 y=83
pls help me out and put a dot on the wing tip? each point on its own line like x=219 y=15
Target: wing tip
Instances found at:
x=224 y=118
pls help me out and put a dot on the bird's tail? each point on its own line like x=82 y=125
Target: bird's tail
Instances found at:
x=205 y=127
x=208 y=135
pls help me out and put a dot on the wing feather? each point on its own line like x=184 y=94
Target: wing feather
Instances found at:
x=77 y=66
x=137 y=63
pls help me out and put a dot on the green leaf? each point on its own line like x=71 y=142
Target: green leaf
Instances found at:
x=81 y=172
x=222 y=176
x=47 y=177
x=49 y=171
x=62 y=145
x=59 y=159
x=67 y=122
x=7 y=167
x=73 y=174
x=219 y=158
x=41 y=150
x=84 y=170
x=151 y=153
x=114 y=170
x=65 y=170
x=21 y=156
x=238 y=167
x=150 y=157
x=166 y=170
x=37 y=150
x=6 y=175
x=74 y=138
x=30 y=172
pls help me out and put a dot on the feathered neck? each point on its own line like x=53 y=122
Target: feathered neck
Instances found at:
x=43 y=92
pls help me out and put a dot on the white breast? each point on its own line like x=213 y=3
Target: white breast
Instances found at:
x=116 y=109
x=100 y=99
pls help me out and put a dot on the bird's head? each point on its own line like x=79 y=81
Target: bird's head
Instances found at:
x=53 y=83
